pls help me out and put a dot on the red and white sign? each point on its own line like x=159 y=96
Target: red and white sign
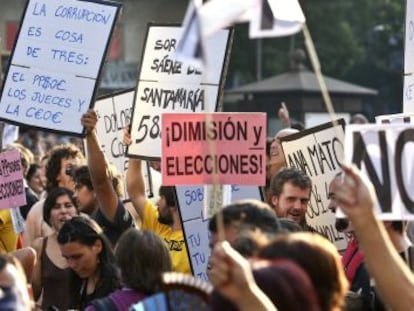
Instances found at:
x=213 y=148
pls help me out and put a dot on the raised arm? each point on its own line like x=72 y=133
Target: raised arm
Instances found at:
x=101 y=181
x=394 y=280
x=135 y=181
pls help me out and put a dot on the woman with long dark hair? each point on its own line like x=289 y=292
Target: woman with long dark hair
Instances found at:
x=89 y=254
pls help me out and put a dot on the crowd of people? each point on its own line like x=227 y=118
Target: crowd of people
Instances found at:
x=83 y=248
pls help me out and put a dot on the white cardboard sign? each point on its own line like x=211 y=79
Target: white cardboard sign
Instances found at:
x=57 y=59
x=168 y=85
x=318 y=151
x=195 y=221
x=384 y=154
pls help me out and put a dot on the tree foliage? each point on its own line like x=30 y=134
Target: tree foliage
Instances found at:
x=358 y=41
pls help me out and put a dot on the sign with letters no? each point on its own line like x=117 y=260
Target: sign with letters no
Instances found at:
x=57 y=58
x=168 y=85
x=384 y=153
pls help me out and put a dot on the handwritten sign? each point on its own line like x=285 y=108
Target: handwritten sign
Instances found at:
x=58 y=56
x=195 y=223
x=12 y=192
x=384 y=154
x=409 y=38
x=408 y=96
x=318 y=152
x=224 y=148
x=114 y=114
x=168 y=85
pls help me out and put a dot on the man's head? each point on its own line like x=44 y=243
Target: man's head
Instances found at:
x=290 y=192
x=167 y=206
x=61 y=163
x=84 y=193
x=242 y=217
x=341 y=224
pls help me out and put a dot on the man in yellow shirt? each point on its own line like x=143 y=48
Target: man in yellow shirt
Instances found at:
x=164 y=219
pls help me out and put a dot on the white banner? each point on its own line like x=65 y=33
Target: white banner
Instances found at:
x=52 y=78
x=168 y=85
x=318 y=152
x=384 y=153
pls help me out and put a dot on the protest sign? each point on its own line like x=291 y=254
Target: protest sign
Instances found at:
x=168 y=85
x=215 y=148
x=408 y=96
x=396 y=118
x=318 y=152
x=409 y=38
x=56 y=62
x=12 y=192
x=384 y=154
x=114 y=114
x=195 y=224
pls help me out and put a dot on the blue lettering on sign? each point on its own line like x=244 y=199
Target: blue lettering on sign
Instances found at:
x=203 y=276
x=82 y=14
x=235 y=188
x=45 y=115
x=43 y=98
x=34 y=52
x=17 y=76
x=199 y=258
x=39 y=9
x=194 y=240
x=14 y=111
x=72 y=37
x=81 y=103
x=191 y=196
x=34 y=31
x=47 y=82
x=20 y=94
x=71 y=57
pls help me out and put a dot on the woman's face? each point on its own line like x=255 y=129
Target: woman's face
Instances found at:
x=62 y=211
x=36 y=182
x=82 y=259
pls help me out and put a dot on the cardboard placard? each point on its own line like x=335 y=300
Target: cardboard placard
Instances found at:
x=216 y=148
x=318 y=152
x=168 y=85
x=57 y=59
x=12 y=192
x=384 y=154
x=195 y=223
x=409 y=37
x=408 y=96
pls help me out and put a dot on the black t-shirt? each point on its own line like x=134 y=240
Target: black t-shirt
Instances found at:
x=113 y=230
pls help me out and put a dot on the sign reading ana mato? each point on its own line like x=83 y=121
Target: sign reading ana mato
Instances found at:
x=168 y=85
x=12 y=192
x=384 y=153
x=55 y=64
x=319 y=152
x=213 y=148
